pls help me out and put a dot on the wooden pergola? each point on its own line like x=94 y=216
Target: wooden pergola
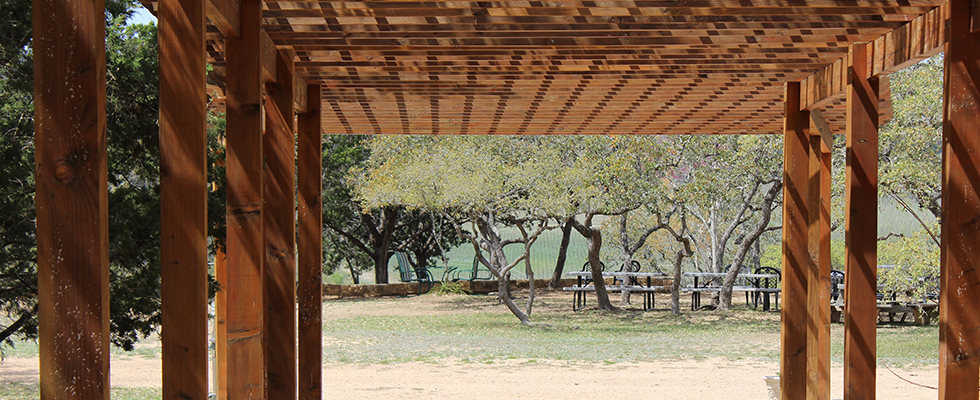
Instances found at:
x=294 y=70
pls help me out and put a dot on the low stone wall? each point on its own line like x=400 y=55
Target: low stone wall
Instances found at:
x=475 y=287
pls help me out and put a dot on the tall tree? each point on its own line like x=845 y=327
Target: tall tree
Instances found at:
x=485 y=181
x=366 y=239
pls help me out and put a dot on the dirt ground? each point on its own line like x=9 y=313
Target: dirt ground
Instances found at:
x=523 y=379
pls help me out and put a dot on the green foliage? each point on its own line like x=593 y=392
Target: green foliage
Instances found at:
x=910 y=145
x=915 y=266
x=450 y=288
x=353 y=235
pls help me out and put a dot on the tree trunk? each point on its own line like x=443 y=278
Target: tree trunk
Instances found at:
x=725 y=298
x=566 y=235
x=382 y=240
x=675 y=285
x=627 y=255
x=594 y=238
x=503 y=293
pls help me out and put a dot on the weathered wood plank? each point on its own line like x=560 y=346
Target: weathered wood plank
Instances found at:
x=280 y=232
x=310 y=248
x=183 y=200
x=71 y=195
x=959 y=349
x=245 y=249
x=861 y=219
x=793 y=338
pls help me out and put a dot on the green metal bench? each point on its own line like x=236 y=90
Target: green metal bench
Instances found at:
x=409 y=272
x=472 y=274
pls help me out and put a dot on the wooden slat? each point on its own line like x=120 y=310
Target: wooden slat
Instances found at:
x=183 y=200
x=959 y=349
x=225 y=15
x=861 y=219
x=793 y=337
x=71 y=196
x=818 y=271
x=310 y=248
x=245 y=249
x=279 y=322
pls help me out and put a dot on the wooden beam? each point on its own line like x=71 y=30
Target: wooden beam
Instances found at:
x=300 y=94
x=310 y=248
x=269 y=58
x=71 y=195
x=861 y=219
x=279 y=328
x=183 y=200
x=818 y=272
x=226 y=16
x=245 y=249
x=959 y=348
x=793 y=342
x=906 y=45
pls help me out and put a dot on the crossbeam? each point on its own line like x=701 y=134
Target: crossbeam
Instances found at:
x=908 y=44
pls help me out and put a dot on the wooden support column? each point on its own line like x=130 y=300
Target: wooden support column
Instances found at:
x=861 y=233
x=245 y=244
x=183 y=200
x=959 y=347
x=280 y=232
x=796 y=161
x=71 y=195
x=818 y=272
x=310 y=248
x=220 y=327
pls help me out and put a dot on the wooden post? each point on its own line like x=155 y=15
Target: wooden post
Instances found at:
x=72 y=199
x=796 y=161
x=183 y=200
x=861 y=233
x=221 y=327
x=818 y=272
x=280 y=232
x=245 y=244
x=959 y=348
x=310 y=249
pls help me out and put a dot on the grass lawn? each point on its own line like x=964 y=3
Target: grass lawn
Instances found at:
x=481 y=331
x=475 y=329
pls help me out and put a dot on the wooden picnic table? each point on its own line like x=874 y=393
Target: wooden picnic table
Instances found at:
x=755 y=289
x=629 y=283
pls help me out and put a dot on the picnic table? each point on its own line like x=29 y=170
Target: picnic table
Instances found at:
x=630 y=281
x=756 y=290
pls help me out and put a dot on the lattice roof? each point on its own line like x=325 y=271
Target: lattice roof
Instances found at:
x=568 y=66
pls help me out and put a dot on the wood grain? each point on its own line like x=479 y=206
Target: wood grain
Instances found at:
x=280 y=232
x=310 y=256
x=71 y=196
x=959 y=348
x=796 y=161
x=245 y=243
x=861 y=229
x=183 y=200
